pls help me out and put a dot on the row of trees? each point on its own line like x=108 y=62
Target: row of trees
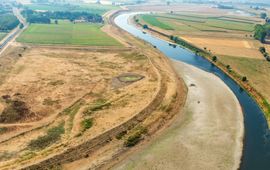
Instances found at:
x=45 y=17
x=8 y=22
x=265 y=53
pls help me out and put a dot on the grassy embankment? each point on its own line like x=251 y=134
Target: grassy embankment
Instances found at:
x=256 y=70
x=68 y=33
x=92 y=8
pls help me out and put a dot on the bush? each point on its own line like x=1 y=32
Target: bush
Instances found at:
x=244 y=78
x=53 y=135
x=87 y=124
x=214 y=58
x=145 y=26
x=135 y=137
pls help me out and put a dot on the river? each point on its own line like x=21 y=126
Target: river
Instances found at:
x=256 y=152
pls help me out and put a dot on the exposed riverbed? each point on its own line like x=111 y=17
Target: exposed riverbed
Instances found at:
x=256 y=153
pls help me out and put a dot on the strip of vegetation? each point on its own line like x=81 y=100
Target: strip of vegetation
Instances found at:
x=45 y=17
x=135 y=136
x=97 y=105
x=8 y=22
x=52 y=136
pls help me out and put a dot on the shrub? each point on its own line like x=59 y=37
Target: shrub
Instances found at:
x=135 y=137
x=87 y=124
x=53 y=135
x=214 y=58
x=145 y=26
x=121 y=134
x=244 y=78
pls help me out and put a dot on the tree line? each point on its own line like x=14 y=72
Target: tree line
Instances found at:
x=8 y=22
x=45 y=17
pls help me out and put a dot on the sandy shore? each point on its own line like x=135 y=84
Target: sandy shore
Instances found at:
x=208 y=135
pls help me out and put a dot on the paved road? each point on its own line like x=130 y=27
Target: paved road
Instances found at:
x=14 y=33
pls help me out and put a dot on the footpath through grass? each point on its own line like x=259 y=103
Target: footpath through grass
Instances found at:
x=68 y=33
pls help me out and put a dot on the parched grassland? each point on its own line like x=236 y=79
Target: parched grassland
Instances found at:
x=92 y=8
x=67 y=33
x=58 y=98
x=2 y=35
x=256 y=70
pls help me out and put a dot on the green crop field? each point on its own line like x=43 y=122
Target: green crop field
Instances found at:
x=92 y=8
x=2 y=35
x=155 y=22
x=67 y=33
x=192 y=22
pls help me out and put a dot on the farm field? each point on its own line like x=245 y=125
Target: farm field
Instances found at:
x=67 y=33
x=92 y=8
x=200 y=23
x=257 y=71
x=226 y=46
x=2 y=35
x=220 y=34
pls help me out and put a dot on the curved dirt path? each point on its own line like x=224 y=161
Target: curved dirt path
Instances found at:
x=208 y=135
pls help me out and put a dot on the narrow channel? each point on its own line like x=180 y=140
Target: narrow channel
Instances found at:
x=256 y=153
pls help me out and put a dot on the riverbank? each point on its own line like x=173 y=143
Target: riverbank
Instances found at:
x=208 y=134
x=238 y=78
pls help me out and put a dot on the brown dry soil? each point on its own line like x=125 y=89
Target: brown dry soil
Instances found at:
x=57 y=99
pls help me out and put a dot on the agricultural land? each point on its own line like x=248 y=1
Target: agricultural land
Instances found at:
x=224 y=35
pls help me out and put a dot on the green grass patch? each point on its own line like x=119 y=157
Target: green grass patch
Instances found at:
x=2 y=35
x=155 y=22
x=67 y=33
x=52 y=136
x=87 y=124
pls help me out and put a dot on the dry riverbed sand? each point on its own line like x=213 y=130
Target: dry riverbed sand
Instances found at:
x=207 y=135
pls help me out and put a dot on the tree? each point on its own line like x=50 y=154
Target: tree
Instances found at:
x=145 y=26
x=21 y=26
x=244 y=78
x=262 y=49
x=261 y=32
x=263 y=15
x=168 y=2
x=214 y=58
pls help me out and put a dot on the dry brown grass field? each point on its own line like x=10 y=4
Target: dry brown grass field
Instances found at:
x=68 y=89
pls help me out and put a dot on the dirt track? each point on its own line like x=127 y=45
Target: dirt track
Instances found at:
x=208 y=136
